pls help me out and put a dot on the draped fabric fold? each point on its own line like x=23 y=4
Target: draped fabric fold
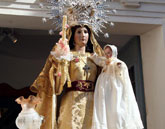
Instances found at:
x=47 y=86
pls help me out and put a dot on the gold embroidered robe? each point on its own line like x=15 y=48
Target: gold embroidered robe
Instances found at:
x=76 y=106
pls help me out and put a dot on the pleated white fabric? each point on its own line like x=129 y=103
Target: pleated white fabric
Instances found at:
x=115 y=106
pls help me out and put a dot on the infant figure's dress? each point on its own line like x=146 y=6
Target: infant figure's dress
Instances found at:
x=115 y=106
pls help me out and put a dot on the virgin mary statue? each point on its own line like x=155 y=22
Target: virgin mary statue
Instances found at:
x=78 y=74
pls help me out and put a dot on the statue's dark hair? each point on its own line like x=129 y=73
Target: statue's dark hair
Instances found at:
x=89 y=46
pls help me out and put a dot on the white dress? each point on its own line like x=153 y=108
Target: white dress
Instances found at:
x=115 y=106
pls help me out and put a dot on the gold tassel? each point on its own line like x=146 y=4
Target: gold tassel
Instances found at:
x=68 y=78
x=69 y=84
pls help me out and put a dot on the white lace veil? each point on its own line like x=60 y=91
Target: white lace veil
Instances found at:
x=113 y=48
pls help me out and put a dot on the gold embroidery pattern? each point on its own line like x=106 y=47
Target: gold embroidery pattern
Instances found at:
x=83 y=85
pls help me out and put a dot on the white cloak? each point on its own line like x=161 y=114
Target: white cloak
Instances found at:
x=115 y=106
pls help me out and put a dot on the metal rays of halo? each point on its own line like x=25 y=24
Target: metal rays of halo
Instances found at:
x=90 y=12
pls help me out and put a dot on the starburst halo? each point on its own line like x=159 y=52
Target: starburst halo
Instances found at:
x=90 y=12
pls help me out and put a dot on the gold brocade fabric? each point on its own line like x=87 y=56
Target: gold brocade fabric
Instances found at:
x=76 y=68
x=76 y=110
x=76 y=106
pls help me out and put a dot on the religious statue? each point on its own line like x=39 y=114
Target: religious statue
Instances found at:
x=70 y=67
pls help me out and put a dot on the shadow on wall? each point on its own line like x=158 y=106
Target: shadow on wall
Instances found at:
x=21 y=62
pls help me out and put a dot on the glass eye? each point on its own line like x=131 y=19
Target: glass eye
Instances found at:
x=79 y=32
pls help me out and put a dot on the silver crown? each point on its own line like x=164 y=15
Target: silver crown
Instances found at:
x=89 y=12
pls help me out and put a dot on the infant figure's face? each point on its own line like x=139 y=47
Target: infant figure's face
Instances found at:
x=108 y=52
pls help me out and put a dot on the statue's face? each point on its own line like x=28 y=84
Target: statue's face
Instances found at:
x=81 y=36
x=108 y=52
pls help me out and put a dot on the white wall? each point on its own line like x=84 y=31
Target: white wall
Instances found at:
x=153 y=58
